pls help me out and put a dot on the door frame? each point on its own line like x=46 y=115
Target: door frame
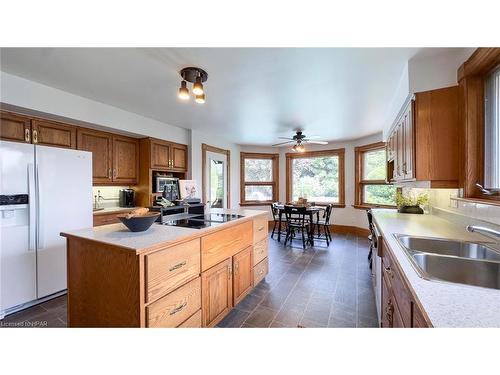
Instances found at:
x=207 y=148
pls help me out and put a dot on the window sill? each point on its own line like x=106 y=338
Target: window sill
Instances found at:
x=264 y=203
x=368 y=206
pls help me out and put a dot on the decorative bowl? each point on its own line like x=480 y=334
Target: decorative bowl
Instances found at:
x=139 y=223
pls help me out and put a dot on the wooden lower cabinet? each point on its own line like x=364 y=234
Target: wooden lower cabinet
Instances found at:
x=217 y=293
x=105 y=219
x=193 y=321
x=399 y=305
x=242 y=274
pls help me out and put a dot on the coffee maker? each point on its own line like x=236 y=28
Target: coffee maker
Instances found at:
x=126 y=198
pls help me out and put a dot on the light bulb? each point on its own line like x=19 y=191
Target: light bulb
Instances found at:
x=200 y=99
x=183 y=91
x=300 y=148
x=198 y=86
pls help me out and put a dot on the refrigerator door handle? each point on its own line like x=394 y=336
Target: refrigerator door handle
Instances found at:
x=31 y=208
x=39 y=231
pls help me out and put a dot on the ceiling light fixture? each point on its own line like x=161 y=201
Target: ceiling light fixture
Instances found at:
x=183 y=91
x=298 y=147
x=200 y=99
x=196 y=76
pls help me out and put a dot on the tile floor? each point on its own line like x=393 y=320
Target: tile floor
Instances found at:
x=319 y=287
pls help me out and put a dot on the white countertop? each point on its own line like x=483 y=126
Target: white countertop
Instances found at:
x=446 y=304
x=110 y=210
x=157 y=234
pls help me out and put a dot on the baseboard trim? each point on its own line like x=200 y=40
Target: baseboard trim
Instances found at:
x=340 y=229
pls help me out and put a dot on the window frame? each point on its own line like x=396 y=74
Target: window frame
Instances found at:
x=471 y=76
x=274 y=183
x=339 y=152
x=359 y=183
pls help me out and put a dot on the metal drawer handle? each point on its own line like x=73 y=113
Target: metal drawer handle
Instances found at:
x=389 y=272
x=177 y=266
x=261 y=228
x=27 y=135
x=178 y=308
x=35 y=136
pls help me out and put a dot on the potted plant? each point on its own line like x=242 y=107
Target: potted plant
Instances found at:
x=411 y=204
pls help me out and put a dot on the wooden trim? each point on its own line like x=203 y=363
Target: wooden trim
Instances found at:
x=275 y=183
x=471 y=77
x=217 y=150
x=340 y=152
x=358 y=173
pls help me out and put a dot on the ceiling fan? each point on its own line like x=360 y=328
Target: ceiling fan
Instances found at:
x=299 y=139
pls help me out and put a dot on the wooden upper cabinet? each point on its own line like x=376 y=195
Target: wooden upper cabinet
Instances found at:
x=216 y=293
x=15 y=127
x=49 y=133
x=242 y=274
x=160 y=154
x=100 y=144
x=179 y=157
x=167 y=155
x=426 y=139
x=125 y=159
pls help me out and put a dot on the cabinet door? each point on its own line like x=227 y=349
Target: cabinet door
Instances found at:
x=50 y=133
x=387 y=310
x=100 y=144
x=243 y=274
x=160 y=155
x=216 y=293
x=15 y=127
x=399 y=152
x=179 y=157
x=125 y=160
x=408 y=164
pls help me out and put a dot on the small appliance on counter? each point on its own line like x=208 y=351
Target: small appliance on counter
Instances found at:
x=168 y=186
x=126 y=198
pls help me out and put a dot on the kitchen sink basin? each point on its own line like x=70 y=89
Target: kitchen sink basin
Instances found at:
x=446 y=247
x=458 y=270
x=453 y=261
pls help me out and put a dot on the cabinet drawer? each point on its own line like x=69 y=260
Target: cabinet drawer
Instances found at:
x=260 y=271
x=176 y=307
x=218 y=246
x=105 y=219
x=260 y=251
x=259 y=228
x=168 y=269
x=193 y=322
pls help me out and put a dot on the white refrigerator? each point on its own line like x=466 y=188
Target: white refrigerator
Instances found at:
x=43 y=192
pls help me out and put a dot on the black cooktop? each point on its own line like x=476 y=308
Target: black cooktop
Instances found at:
x=201 y=221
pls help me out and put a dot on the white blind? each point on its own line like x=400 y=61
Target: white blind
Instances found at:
x=492 y=132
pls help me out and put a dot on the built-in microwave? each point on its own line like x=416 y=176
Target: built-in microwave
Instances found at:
x=171 y=184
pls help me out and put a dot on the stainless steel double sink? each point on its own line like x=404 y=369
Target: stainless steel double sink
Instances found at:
x=471 y=263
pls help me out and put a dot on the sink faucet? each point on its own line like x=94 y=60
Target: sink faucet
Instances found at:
x=484 y=231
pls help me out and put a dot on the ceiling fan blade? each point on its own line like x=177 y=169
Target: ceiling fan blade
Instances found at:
x=290 y=139
x=316 y=142
x=282 y=143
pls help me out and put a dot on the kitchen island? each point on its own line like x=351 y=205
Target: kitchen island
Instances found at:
x=167 y=276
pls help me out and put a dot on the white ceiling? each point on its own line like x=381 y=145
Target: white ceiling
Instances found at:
x=254 y=95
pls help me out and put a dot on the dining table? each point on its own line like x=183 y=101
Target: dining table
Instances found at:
x=310 y=210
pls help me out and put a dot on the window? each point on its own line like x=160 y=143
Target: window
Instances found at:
x=371 y=170
x=317 y=176
x=492 y=131
x=259 y=178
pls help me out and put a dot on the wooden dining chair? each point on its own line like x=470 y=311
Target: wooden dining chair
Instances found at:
x=370 y=236
x=276 y=217
x=296 y=222
x=324 y=223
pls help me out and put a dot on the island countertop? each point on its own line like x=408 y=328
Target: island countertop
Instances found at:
x=446 y=304
x=158 y=235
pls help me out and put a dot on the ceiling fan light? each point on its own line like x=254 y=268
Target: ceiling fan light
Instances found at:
x=300 y=148
x=198 y=86
x=200 y=99
x=183 y=91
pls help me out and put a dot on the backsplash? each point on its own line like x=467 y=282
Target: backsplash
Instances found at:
x=447 y=200
x=109 y=193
